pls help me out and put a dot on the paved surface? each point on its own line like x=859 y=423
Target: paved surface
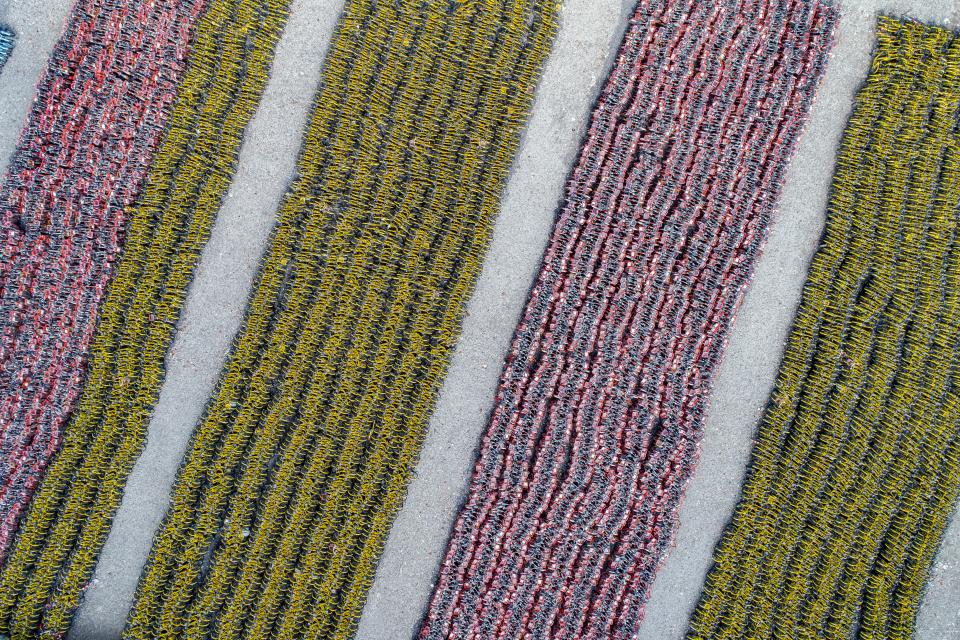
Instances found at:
x=583 y=51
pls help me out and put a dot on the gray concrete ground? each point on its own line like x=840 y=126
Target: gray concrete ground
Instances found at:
x=590 y=32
